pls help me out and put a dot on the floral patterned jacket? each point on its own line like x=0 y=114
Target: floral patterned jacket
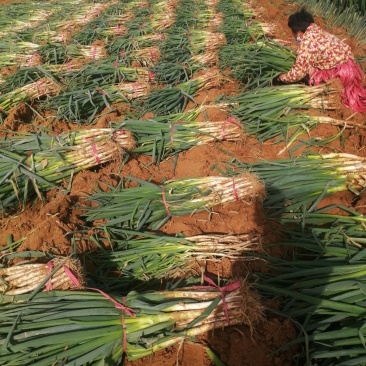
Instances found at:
x=318 y=49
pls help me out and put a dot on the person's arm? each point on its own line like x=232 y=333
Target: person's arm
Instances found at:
x=299 y=70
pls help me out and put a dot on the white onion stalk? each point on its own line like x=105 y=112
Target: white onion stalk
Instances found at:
x=30 y=92
x=94 y=52
x=23 y=278
x=152 y=205
x=133 y=90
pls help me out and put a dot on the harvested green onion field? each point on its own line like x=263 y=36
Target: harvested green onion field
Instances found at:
x=154 y=97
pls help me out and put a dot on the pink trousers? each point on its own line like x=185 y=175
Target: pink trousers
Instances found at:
x=351 y=76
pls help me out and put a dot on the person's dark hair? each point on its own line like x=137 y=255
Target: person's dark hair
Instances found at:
x=300 y=20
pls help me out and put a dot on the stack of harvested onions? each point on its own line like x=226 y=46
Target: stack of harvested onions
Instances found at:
x=164 y=136
x=83 y=327
x=174 y=99
x=30 y=92
x=152 y=205
x=298 y=185
x=23 y=170
x=23 y=278
x=137 y=258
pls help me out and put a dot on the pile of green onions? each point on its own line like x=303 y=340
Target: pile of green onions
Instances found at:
x=151 y=205
x=24 y=172
x=128 y=259
x=143 y=57
x=28 y=93
x=82 y=105
x=27 y=277
x=289 y=127
x=164 y=136
x=173 y=99
x=110 y=72
x=84 y=327
x=322 y=289
x=201 y=41
x=298 y=185
x=58 y=53
x=127 y=44
x=256 y=64
x=272 y=102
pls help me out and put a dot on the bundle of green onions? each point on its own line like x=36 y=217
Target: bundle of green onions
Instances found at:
x=43 y=140
x=256 y=64
x=21 y=47
x=186 y=15
x=298 y=185
x=110 y=72
x=97 y=30
x=9 y=24
x=10 y=59
x=151 y=205
x=43 y=87
x=143 y=57
x=136 y=5
x=127 y=44
x=235 y=22
x=163 y=136
x=208 y=17
x=163 y=7
x=173 y=73
x=201 y=41
x=175 y=48
x=58 y=53
x=83 y=105
x=323 y=290
x=108 y=26
x=112 y=31
x=84 y=327
x=162 y=21
x=175 y=98
x=23 y=278
x=133 y=258
x=273 y=102
x=26 y=75
x=288 y=128
x=140 y=26
x=24 y=172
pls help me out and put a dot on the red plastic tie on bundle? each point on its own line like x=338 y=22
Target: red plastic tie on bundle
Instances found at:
x=151 y=76
x=235 y=192
x=118 y=132
x=117 y=305
x=232 y=120
x=165 y=202
x=124 y=323
x=34 y=55
x=39 y=87
x=228 y=288
x=95 y=152
x=94 y=149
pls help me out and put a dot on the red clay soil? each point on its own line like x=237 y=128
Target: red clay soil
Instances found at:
x=44 y=225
